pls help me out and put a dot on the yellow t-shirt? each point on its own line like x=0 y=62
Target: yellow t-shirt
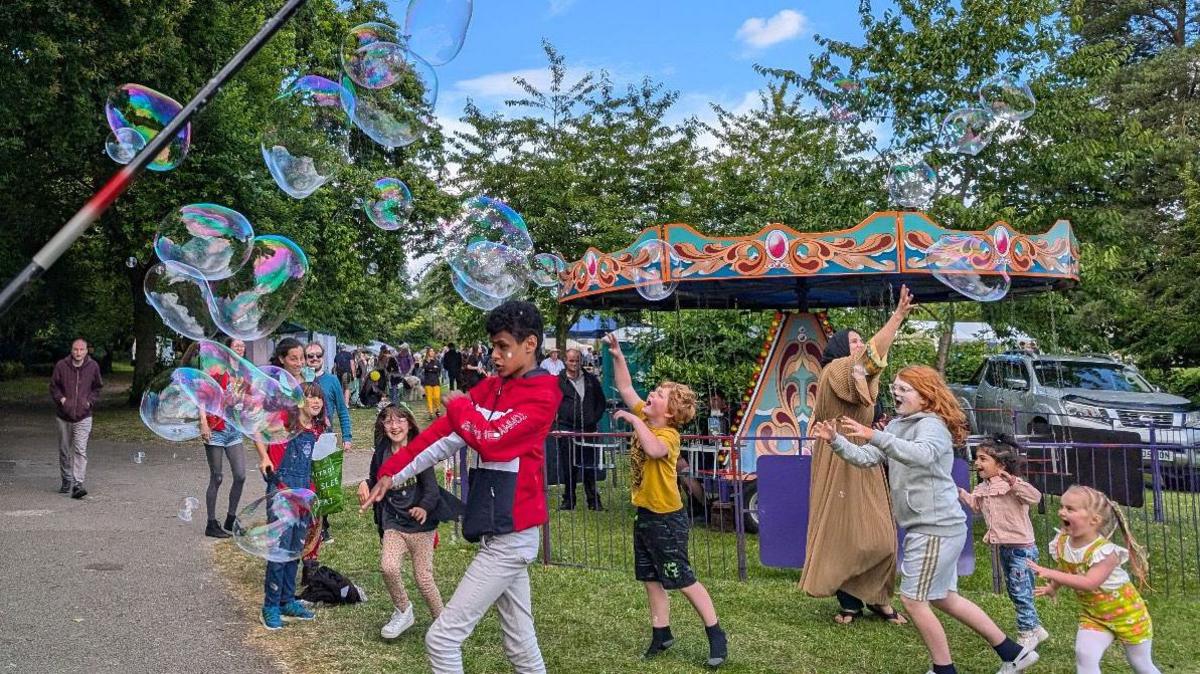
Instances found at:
x=654 y=479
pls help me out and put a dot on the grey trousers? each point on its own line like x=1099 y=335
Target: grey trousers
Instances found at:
x=72 y=449
x=498 y=575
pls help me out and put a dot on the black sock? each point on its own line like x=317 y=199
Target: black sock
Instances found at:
x=660 y=641
x=945 y=669
x=1008 y=650
x=718 y=648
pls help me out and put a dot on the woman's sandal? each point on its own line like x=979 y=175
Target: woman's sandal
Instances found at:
x=847 y=616
x=888 y=613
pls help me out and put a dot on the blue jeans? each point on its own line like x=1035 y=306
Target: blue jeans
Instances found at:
x=1020 y=580
x=279 y=586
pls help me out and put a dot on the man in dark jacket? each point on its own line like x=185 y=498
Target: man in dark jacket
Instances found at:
x=579 y=412
x=74 y=387
x=452 y=362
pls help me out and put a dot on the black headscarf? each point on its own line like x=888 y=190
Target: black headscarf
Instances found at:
x=838 y=346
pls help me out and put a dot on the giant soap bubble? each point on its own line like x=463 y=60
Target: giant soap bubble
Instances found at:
x=307 y=135
x=546 y=270
x=397 y=115
x=967 y=130
x=655 y=269
x=1008 y=98
x=173 y=402
x=137 y=107
x=912 y=182
x=179 y=295
x=260 y=296
x=212 y=239
x=967 y=265
x=435 y=29
x=474 y=297
x=264 y=405
x=276 y=526
x=373 y=55
x=389 y=203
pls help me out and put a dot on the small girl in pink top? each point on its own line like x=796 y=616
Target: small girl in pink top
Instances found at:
x=1004 y=499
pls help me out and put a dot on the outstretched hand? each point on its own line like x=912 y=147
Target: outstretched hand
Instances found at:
x=624 y=415
x=614 y=346
x=377 y=493
x=854 y=431
x=823 y=430
x=905 y=304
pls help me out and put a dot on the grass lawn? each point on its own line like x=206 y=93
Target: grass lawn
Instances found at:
x=596 y=621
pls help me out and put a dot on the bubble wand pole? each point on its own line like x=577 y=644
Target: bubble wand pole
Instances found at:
x=116 y=185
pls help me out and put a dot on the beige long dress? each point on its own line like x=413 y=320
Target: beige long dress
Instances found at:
x=851 y=533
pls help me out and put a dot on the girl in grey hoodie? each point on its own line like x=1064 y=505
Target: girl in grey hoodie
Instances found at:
x=918 y=446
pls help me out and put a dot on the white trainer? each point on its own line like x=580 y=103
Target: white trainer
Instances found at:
x=401 y=620
x=1029 y=639
x=1026 y=659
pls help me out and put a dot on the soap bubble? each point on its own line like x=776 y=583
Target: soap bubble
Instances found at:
x=189 y=505
x=372 y=268
x=655 y=268
x=139 y=457
x=967 y=130
x=212 y=239
x=124 y=144
x=260 y=403
x=912 y=183
x=179 y=294
x=967 y=265
x=436 y=28
x=133 y=106
x=275 y=527
x=844 y=101
x=546 y=268
x=131 y=262
x=1008 y=98
x=173 y=402
x=216 y=360
x=491 y=268
x=373 y=55
x=484 y=218
x=475 y=298
x=307 y=137
x=260 y=296
x=389 y=204
x=394 y=116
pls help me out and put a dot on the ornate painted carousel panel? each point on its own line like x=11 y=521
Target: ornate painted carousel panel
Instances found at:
x=781 y=268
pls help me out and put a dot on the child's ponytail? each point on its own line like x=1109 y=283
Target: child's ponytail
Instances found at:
x=1137 y=554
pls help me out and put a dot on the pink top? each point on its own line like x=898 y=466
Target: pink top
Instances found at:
x=1005 y=508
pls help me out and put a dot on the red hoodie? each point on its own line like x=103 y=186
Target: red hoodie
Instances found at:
x=506 y=422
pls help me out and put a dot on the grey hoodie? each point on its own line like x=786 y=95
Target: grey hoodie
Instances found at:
x=920 y=454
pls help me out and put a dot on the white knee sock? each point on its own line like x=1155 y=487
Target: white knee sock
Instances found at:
x=1089 y=648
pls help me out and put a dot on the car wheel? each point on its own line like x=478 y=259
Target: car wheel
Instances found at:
x=750 y=506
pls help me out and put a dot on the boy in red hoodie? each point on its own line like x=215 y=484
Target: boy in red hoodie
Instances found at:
x=505 y=419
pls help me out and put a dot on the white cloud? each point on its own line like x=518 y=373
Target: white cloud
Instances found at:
x=759 y=33
x=502 y=85
x=560 y=6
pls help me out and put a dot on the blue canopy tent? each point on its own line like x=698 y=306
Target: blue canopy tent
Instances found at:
x=593 y=326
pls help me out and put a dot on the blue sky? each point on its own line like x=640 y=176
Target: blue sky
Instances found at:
x=705 y=49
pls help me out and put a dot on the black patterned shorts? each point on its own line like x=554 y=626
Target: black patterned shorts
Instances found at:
x=660 y=549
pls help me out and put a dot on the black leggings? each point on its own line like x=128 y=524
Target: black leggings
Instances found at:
x=237 y=466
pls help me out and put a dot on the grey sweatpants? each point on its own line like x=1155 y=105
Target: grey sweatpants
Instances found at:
x=72 y=449
x=498 y=575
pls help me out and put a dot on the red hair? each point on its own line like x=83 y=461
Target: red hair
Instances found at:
x=929 y=384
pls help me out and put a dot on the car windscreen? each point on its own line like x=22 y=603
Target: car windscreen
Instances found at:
x=1092 y=376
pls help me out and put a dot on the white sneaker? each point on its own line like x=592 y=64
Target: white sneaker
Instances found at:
x=1029 y=639
x=1024 y=661
x=401 y=620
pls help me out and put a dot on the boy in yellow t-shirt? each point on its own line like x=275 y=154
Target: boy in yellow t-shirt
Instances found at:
x=660 y=531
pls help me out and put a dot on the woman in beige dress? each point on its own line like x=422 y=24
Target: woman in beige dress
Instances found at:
x=851 y=551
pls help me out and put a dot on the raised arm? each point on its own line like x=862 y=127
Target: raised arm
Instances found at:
x=621 y=372
x=887 y=334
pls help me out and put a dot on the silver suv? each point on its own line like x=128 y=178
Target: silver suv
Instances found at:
x=1028 y=393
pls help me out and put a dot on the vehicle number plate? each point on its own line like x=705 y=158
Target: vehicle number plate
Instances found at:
x=1163 y=455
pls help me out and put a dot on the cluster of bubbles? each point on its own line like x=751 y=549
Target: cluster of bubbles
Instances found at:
x=190 y=505
x=215 y=275
x=215 y=382
x=136 y=114
x=276 y=526
x=1002 y=100
x=386 y=89
x=490 y=254
x=967 y=265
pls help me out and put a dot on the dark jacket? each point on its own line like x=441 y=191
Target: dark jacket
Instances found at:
x=575 y=415
x=422 y=491
x=80 y=385
x=505 y=421
x=469 y=377
x=452 y=361
x=431 y=372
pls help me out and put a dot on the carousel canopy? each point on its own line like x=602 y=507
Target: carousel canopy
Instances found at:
x=781 y=268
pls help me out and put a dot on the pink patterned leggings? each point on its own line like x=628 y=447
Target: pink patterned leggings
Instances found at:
x=420 y=547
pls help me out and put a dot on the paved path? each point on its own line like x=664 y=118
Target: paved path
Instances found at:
x=114 y=582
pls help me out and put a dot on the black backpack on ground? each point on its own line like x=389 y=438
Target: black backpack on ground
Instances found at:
x=328 y=586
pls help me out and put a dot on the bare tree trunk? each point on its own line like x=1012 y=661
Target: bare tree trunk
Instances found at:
x=946 y=337
x=145 y=332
